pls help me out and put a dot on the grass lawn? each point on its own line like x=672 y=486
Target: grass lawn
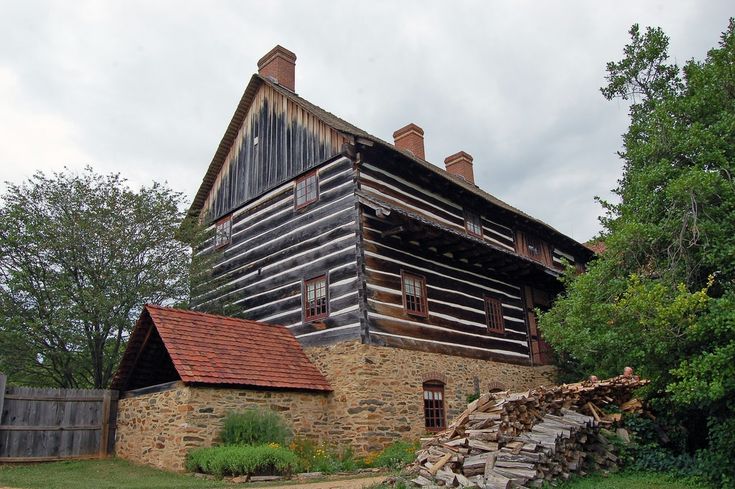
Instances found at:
x=97 y=474
x=119 y=474
x=631 y=480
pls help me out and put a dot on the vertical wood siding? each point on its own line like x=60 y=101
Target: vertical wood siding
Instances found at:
x=275 y=247
x=38 y=424
x=289 y=141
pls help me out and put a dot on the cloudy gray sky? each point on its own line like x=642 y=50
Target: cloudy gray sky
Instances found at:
x=147 y=88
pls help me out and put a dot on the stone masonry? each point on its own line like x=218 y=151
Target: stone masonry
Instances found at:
x=377 y=399
x=378 y=391
x=160 y=428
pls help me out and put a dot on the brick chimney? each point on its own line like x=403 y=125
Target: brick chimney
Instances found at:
x=280 y=65
x=460 y=165
x=410 y=137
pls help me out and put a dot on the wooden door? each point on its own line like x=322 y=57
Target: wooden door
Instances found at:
x=541 y=352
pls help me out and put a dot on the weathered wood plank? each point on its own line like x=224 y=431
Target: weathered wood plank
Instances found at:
x=3 y=380
x=50 y=424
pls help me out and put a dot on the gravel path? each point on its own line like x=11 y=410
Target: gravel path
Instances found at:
x=359 y=483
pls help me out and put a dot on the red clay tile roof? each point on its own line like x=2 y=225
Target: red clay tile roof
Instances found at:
x=211 y=349
x=598 y=246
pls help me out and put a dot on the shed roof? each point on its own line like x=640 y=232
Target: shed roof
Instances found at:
x=219 y=350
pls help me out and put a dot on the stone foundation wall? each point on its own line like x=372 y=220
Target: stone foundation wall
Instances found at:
x=306 y=412
x=153 y=428
x=160 y=428
x=377 y=399
x=378 y=391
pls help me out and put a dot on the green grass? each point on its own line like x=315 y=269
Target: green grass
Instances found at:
x=97 y=474
x=623 y=480
x=631 y=480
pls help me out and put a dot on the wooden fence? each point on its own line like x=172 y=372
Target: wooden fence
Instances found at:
x=41 y=424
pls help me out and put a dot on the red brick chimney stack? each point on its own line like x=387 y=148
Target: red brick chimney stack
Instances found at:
x=460 y=164
x=279 y=64
x=410 y=137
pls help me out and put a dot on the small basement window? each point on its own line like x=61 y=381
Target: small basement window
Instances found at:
x=473 y=223
x=223 y=232
x=434 y=416
x=315 y=298
x=414 y=294
x=494 y=315
x=307 y=190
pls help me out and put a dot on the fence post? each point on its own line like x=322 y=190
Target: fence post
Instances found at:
x=104 y=436
x=3 y=379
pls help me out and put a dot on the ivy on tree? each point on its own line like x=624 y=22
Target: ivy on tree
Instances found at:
x=80 y=254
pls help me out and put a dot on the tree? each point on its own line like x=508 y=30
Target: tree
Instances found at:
x=80 y=254
x=662 y=295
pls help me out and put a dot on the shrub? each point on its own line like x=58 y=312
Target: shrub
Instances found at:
x=318 y=457
x=237 y=460
x=396 y=455
x=715 y=463
x=255 y=427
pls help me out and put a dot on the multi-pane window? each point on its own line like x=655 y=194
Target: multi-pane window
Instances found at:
x=315 y=298
x=223 y=232
x=434 y=417
x=472 y=223
x=494 y=315
x=414 y=294
x=307 y=190
x=535 y=247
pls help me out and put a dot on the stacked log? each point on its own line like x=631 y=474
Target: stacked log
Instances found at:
x=505 y=440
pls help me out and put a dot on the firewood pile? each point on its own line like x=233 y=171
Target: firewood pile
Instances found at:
x=505 y=440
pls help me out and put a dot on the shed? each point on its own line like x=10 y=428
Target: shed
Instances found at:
x=183 y=371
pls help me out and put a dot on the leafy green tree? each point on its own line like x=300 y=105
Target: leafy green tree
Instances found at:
x=662 y=296
x=80 y=254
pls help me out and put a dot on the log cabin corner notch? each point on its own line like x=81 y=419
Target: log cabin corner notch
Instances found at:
x=367 y=213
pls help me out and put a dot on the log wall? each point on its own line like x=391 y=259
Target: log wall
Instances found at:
x=456 y=289
x=275 y=247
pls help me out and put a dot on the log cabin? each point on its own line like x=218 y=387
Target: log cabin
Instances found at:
x=342 y=236
x=407 y=285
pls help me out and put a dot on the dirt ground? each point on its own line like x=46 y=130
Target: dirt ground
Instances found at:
x=359 y=483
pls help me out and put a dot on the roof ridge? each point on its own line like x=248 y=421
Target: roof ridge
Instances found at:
x=208 y=314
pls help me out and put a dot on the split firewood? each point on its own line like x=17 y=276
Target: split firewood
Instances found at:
x=522 y=439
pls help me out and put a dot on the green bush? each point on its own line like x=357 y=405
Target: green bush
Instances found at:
x=715 y=463
x=315 y=457
x=237 y=460
x=396 y=455
x=254 y=427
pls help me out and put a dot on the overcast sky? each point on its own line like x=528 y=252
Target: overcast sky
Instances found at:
x=147 y=88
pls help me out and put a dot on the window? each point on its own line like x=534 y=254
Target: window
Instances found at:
x=533 y=247
x=223 y=232
x=434 y=418
x=307 y=190
x=473 y=223
x=315 y=298
x=494 y=315
x=414 y=294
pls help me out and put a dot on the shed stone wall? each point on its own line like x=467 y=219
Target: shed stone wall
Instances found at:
x=153 y=428
x=160 y=428
x=377 y=399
